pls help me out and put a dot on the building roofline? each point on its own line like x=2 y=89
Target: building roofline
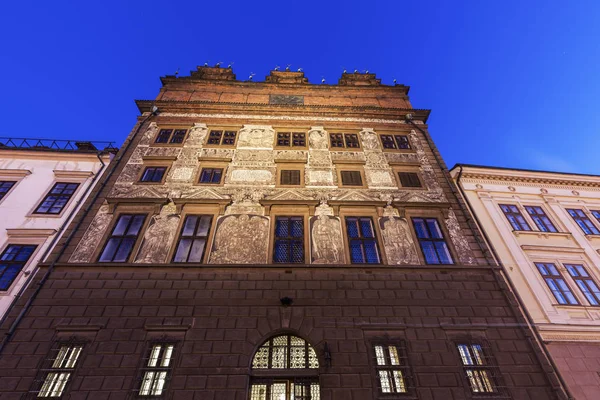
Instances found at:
x=540 y=171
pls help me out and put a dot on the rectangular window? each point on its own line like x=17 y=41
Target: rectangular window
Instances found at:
x=351 y=178
x=409 y=179
x=432 y=242
x=477 y=368
x=595 y=213
x=344 y=140
x=211 y=175
x=56 y=200
x=391 y=367
x=153 y=174
x=395 y=142
x=362 y=240
x=171 y=136
x=157 y=369
x=5 y=187
x=586 y=225
x=222 y=138
x=12 y=261
x=193 y=238
x=586 y=284
x=556 y=283
x=123 y=237
x=60 y=371
x=289 y=240
x=290 y=177
x=540 y=218
x=291 y=139
x=515 y=217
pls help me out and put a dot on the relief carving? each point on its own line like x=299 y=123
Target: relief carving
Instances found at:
x=158 y=236
x=379 y=178
x=130 y=173
x=376 y=159
x=369 y=139
x=149 y=135
x=320 y=178
x=217 y=153
x=318 y=139
x=461 y=244
x=241 y=239
x=319 y=158
x=88 y=243
x=401 y=157
x=256 y=136
x=255 y=176
x=326 y=234
x=185 y=174
x=348 y=156
x=397 y=241
x=197 y=135
x=162 y=152
x=253 y=157
x=188 y=156
x=290 y=155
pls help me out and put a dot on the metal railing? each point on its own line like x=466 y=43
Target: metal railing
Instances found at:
x=56 y=144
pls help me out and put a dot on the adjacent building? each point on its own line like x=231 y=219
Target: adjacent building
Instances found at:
x=273 y=240
x=545 y=230
x=42 y=185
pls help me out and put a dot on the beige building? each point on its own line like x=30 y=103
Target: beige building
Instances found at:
x=545 y=230
x=42 y=184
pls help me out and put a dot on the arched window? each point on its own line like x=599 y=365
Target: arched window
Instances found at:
x=285 y=367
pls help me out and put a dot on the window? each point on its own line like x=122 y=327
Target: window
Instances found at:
x=585 y=282
x=153 y=174
x=211 y=175
x=289 y=240
x=193 y=238
x=584 y=222
x=540 y=218
x=595 y=213
x=171 y=136
x=123 y=237
x=60 y=371
x=351 y=178
x=222 y=137
x=477 y=368
x=12 y=261
x=290 y=177
x=293 y=356
x=56 y=200
x=515 y=218
x=344 y=140
x=556 y=283
x=432 y=242
x=291 y=139
x=5 y=187
x=362 y=240
x=395 y=142
x=391 y=367
x=157 y=369
x=409 y=179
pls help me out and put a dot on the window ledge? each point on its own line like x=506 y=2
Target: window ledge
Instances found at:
x=592 y=236
x=545 y=235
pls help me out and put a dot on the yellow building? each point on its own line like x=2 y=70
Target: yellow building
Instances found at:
x=544 y=228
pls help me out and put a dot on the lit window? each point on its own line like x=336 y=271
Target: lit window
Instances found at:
x=395 y=142
x=123 y=237
x=515 y=217
x=291 y=139
x=540 y=218
x=556 y=283
x=222 y=138
x=344 y=140
x=157 y=369
x=391 y=367
x=409 y=179
x=586 y=284
x=433 y=245
x=193 y=238
x=289 y=240
x=171 y=136
x=56 y=200
x=351 y=178
x=5 y=187
x=586 y=225
x=12 y=261
x=211 y=175
x=290 y=177
x=60 y=371
x=362 y=240
x=153 y=174
x=477 y=368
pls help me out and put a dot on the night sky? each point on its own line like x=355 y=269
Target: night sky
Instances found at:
x=513 y=84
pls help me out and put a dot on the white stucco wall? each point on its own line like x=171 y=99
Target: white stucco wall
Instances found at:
x=35 y=173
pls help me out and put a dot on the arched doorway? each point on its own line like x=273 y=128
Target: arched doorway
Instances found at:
x=285 y=367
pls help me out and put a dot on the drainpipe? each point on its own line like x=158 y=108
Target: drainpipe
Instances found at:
x=40 y=284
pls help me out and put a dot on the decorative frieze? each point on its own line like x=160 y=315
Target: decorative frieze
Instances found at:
x=241 y=239
x=90 y=240
x=326 y=235
x=397 y=241
x=256 y=137
x=159 y=236
x=461 y=244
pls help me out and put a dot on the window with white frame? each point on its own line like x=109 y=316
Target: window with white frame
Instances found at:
x=585 y=282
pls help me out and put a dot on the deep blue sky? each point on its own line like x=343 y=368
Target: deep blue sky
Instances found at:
x=512 y=84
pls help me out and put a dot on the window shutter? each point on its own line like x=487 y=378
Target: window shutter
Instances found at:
x=351 y=178
x=409 y=179
x=290 y=177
